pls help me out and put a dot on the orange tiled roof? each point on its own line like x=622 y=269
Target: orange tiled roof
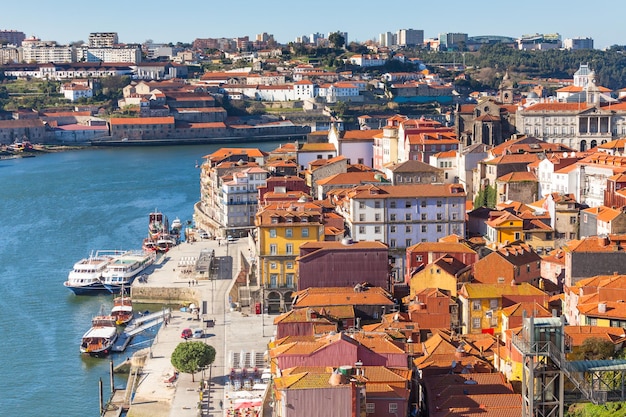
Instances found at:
x=334 y=296
x=519 y=176
x=141 y=120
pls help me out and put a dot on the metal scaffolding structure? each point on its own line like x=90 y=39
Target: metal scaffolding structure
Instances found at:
x=544 y=346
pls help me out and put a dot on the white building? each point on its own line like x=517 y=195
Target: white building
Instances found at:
x=240 y=197
x=447 y=161
x=103 y=39
x=410 y=37
x=129 y=54
x=356 y=145
x=304 y=90
x=73 y=92
x=34 y=50
x=402 y=215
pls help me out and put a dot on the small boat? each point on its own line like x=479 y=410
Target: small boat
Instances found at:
x=122 y=309
x=165 y=243
x=150 y=245
x=99 y=339
x=177 y=225
x=157 y=224
x=86 y=275
x=124 y=269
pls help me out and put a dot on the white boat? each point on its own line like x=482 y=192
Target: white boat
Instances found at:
x=177 y=225
x=99 y=339
x=125 y=268
x=86 y=275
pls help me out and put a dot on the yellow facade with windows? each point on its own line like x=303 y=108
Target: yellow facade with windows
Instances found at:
x=281 y=229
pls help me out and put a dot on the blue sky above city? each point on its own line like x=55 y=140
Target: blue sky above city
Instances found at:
x=163 y=21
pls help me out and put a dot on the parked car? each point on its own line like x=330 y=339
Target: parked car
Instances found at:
x=198 y=333
x=203 y=234
x=230 y=238
x=186 y=334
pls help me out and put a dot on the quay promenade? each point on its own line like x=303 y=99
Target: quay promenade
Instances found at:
x=234 y=333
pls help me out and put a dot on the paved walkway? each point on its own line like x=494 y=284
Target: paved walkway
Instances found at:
x=233 y=332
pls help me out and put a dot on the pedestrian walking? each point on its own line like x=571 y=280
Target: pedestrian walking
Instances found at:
x=189 y=283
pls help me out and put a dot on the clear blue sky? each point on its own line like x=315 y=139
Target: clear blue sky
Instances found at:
x=164 y=21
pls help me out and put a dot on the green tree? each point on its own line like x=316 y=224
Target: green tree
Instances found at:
x=594 y=348
x=486 y=197
x=337 y=40
x=190 y=357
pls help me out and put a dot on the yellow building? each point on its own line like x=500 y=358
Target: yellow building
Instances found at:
x=281 y=228
x=482 y=304
x=446 y=273
x=506 y=228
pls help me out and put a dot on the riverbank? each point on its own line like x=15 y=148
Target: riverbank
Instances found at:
x=158 y=392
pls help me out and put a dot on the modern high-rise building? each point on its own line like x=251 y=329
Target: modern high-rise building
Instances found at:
x=103 y=39
x=12 y=37
x=387 y=39
x=410 y=37
x=578 y=43
x=451 y=40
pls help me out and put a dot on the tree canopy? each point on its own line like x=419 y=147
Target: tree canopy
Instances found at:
x=190 y=357
x=337 y=40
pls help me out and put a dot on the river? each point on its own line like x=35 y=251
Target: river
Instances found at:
x=55 y=209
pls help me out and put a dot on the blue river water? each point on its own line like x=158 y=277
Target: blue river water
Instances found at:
x=55 y=209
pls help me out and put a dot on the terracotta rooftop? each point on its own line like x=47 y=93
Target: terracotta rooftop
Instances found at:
x=337 y=296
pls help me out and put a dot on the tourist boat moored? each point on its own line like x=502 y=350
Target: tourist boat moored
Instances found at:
x=86 y=276
x=124 y=269
x=100 y=337
x=122 y=309
x=157 y=224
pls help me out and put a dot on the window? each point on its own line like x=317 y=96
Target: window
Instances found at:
x=423 y=204
x=476 y=305
x=362 y=229
x=407 y=217
x=289 y=280
x=517 y=235
x=418 y=258
x=272 y=265
x=476 y=323
x=369 y=408
x=392 y=243
x=392 y=217
x=273 y=280
x=453 y=216
x=392 y=204
x=407 y=229
x=392 y=229
x=361 y=217
x=274 y=220
x=377 y=229
x=439 y=203
x=289 y=248
x=407 y=243
x=424 y=228
x=377 y=217
x=289 y=265
x=439 y=228
x=377 y=204
x=273 y=250
x=289 y=232
x=592 y=321
x=393 y=407
x=424 y=216
x=493 y=304
x=361 y=204
x=272 y=232
x=407 y=204
x=439 y=216
x=572 y=220
x=305 y=232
